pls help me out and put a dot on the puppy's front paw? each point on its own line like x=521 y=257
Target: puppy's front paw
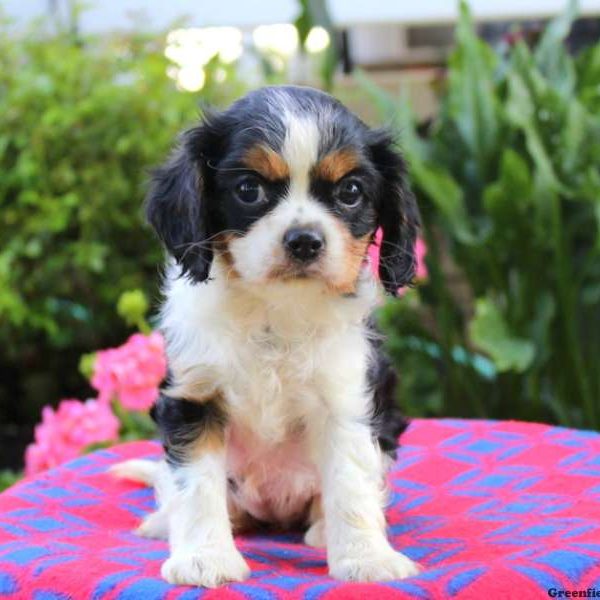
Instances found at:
x=381 y=565
x=205 y=569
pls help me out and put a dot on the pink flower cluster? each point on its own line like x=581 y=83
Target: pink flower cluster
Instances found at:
x=420 y=251
x=132 y=372
x=65 y=432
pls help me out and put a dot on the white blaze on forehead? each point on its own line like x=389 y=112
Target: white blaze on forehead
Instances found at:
x=300 y=150
x=260 y=250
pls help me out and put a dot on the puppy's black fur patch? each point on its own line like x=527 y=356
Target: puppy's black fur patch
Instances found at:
x=398 y=215
x=182 y=422
x=387 y=420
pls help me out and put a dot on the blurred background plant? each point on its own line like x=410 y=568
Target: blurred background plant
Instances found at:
x=80 y=124
x=508 y=323
x=82 y=119
x=506 y=168
x=126 y=382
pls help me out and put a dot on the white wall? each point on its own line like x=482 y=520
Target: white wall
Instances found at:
x=416 y=12
x=159 y=14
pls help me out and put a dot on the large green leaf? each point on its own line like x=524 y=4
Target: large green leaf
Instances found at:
x=521 y=111
x=551 y=55
x=398 y=114
x=573 y=135
x=447 y=197
x=506 y=198
x=539 y=328
x=490 y=333
x=472 y=104
x=588 y=71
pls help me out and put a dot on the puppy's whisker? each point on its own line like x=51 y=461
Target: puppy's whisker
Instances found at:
x=208 y=242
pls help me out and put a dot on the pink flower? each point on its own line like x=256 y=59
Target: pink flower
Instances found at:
x=65 y=432
x=420 y=251
x=132 y=372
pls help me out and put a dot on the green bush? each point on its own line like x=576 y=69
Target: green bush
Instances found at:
x=508 y=324
x=81 y=121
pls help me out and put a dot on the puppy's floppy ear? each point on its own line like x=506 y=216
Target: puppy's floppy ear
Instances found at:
x=176 y=205
x=398 y=214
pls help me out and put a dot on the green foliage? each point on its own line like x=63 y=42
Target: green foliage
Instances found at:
x=313 y=13
x=81 y=122
x=8 y=478
x=132 y=307
x=508 y=176
x=134 y=425
x=86 y=364
x=489 y=331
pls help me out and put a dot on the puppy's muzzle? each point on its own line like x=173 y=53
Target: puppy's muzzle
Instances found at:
x=304 y=244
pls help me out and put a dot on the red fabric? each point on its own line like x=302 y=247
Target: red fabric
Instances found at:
x=490 y=509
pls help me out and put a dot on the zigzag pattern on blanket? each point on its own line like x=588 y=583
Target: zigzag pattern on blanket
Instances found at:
x=490 y=509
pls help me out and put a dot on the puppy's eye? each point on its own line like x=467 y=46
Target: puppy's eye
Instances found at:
x=349 y=193
x=249 y=191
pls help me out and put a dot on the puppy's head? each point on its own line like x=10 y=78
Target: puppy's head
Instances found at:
x=286 y=184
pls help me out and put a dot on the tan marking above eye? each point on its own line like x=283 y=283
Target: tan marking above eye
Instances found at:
x=336 y=164
x=266 y=162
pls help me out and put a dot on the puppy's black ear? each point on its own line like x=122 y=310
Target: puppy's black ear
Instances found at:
x=398 y=214
x=176 y=205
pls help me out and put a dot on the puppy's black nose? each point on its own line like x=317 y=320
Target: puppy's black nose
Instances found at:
x=304 y=244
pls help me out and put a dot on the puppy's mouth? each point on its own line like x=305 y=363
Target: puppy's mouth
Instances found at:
x=291 y=270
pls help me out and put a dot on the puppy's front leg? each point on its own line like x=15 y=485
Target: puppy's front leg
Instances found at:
x=353 y=498
x=202 y=549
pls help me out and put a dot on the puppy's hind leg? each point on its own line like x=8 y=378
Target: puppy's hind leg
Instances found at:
x=158 y=475
x=142 y=471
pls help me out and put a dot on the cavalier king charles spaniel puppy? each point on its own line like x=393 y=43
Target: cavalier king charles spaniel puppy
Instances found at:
x=279 y=404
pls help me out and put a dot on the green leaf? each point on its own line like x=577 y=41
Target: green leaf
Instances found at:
x=397 y=114
x=520 y=109
x=490 y=333
x=132 y=307
x=506 y=198
x=588 y=72
x=540 y=327
x=471 y=98
x=86 y=364
x=573 y=135
x=8 y=478
x=447 y=196
x=551 y=56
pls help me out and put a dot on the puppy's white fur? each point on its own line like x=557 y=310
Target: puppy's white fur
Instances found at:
x=290 y=360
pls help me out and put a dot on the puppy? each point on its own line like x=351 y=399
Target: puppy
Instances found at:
x=279 y=405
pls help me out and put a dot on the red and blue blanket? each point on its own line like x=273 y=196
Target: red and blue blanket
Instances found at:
x=490 y=509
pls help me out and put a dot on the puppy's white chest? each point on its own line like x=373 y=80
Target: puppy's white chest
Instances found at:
x=273 y=387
